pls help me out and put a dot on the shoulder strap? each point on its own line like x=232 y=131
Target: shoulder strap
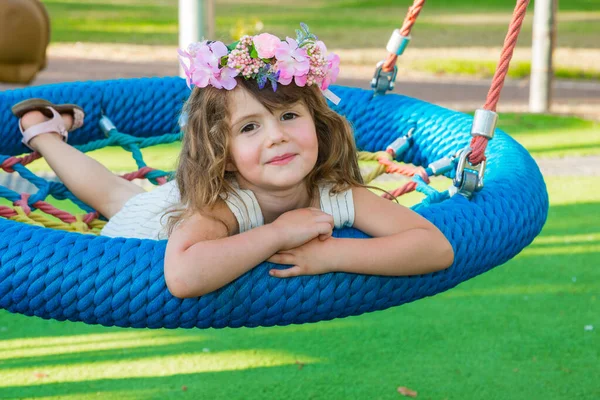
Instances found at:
x=244 y=206
x=340 y=206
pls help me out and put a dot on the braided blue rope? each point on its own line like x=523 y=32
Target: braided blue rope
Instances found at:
x=116 y=281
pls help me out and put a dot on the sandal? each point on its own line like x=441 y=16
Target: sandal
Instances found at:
x=50 y=110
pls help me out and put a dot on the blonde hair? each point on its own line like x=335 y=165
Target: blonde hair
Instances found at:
x=201 y=175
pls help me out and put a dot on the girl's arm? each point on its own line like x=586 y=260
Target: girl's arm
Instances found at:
x=403 y=243
x=201 y=256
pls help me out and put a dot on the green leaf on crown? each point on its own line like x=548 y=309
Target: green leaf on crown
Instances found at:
x=253 y=52
x=232 y=46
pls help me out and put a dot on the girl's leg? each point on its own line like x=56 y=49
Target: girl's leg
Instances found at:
x=89 y=180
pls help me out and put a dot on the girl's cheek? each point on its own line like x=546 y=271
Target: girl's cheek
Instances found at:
x=248 y=154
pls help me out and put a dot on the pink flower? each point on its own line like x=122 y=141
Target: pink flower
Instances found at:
x=227 y=77
x=266 y=44
x=300 y=80
x=202 y=75
x=333 y=69
x=292 y=61
x=321 y=46
x=185 y=55
x=204 y=65
x=211 y=54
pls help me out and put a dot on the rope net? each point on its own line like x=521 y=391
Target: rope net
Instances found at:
x=35 y=209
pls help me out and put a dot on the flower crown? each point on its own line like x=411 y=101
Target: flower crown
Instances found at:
x=265 y=58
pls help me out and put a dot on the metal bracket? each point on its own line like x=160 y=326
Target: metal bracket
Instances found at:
x=469 y=177
x=383 y=81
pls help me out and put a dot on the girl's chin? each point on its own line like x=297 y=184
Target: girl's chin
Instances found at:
x=286 y=183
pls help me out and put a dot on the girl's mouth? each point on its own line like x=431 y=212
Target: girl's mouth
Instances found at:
x=282 y=160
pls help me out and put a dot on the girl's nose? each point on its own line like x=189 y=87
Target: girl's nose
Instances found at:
x=277 y=135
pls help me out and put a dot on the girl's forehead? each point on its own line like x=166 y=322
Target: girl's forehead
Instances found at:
x=240 y=99
x=242 y=103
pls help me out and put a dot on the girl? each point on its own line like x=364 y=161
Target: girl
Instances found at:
x=263 y=175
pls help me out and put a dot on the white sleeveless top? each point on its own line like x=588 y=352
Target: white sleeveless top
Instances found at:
x=142 y=216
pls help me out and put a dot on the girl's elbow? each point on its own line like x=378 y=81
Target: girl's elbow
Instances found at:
x=443 y=253
x=178 y=284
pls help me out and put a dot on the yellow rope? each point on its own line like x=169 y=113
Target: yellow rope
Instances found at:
x=41 y=220
x=47 y=222
x=24 y=218
x=379 y=169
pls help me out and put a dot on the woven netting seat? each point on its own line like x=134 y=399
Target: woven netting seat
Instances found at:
x=116 y=281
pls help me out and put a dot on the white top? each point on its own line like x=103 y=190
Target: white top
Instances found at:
x=142 y=215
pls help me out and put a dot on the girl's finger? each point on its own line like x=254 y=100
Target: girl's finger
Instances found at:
x=323 y=228
x=286 y=273
x=325 y=218
x=324 y=236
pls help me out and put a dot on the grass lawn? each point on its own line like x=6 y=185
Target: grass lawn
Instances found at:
x=526 y=330
x=447 y=23
x=486 y=69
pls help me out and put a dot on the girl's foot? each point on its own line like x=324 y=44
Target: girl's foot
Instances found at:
x=35 y=117
x=39 y=118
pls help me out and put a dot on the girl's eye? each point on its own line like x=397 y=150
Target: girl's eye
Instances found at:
x=288 y=116
x=248 y=128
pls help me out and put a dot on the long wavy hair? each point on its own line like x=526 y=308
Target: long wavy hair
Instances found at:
x=201 y=175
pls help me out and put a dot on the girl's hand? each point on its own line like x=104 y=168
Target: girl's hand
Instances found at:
x=312 y=258
x=299 y=226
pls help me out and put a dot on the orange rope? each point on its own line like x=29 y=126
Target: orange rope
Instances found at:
x=479 y=143
x=409 y=21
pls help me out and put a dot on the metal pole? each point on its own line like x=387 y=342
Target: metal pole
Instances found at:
x=543 y=41
x=210 y=18
x=191 y=24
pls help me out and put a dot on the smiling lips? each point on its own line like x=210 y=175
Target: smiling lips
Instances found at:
x=282 y=160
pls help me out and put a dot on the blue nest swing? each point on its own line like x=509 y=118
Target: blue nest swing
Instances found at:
x=116 y=281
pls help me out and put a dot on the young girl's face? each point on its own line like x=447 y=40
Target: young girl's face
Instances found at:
x=270 y=151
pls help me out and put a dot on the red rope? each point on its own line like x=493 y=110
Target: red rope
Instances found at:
x=141 y=173
x=89 y=217
x=408 y=186
x=11 y=161
x=23 y=203
x=479 y=143
x=411 y=17
x=409 y=21
x=7 y=212
x=50 y=209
